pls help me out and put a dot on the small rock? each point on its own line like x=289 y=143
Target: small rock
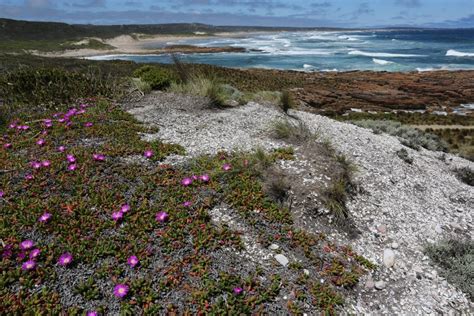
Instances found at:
x=439 y=229
x=382 y=229
x=394 y=245
x=370 y=284
x=274 y=247
x=380 y=285
x=388 y=258
x=306 y=271
x=282 y=259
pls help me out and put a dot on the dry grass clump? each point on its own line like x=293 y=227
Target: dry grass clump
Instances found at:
x=293 y=132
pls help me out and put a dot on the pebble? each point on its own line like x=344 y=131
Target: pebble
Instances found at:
x=388 y=258
x=282 y=259
x=380 y=285
x=306 y=271
x=274 y=247
x=394 y=245
x=439 y=229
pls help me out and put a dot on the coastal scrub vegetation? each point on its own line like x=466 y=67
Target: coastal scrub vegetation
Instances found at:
x=87 y=202
x=412 y=137
x=456 y=259
x=465 y=174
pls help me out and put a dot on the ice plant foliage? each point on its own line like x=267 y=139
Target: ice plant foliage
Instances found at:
x=65 y=259
x=121 y=290
x=26 y=244
x=133 y=261
x=162 y=217
x=28 y=265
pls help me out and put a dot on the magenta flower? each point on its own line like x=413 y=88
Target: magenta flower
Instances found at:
x=34 y=253
x=204 y=178
x=71 y=158
x=148 y=154
x=226 y=167
x=36 y=164
x=117 y=216
x=133 y=261
x=45 y=218
x=98 y=157
x=92 y=313
x=48 y=123
x=88 y=124
x=72 y=167
x=65 y=259
x=46 y=163
x=61 y=149
x=2 y=193
x=27 y=244
x=238 y=290
x=125 y=208
x=194 y=177
x=81 y=112
x=186 y=182
x=29 y=177
x=28 y=265
x=40 y=142
x=162 y=217
x=187 y=204
x=23 y=127
x=12 y=125
x=62 y=120
x=121 y=290
x=7 y=146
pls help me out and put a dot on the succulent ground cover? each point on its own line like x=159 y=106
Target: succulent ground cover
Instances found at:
x=83 y=230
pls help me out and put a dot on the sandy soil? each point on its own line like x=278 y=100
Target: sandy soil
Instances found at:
x=126 y=44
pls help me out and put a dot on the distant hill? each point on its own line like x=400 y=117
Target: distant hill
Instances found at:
x=27 y=30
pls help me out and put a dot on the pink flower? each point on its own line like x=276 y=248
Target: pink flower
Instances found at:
x=133 y=261
x=72 y=167
x=117 y=216
x=28 y=265
x=238 y=290
x=121 y=290
x=205 y=178
x=194 y=177
x=48 y=123
x=40 y=142
x=34 y=253
x=61 y=149
x=12 y=125
x=23 y=127
x=71 y=158
x=65 y=259
x=187 y=204
x=2 y=193
x=7 y=146
x=226 y=167
x=98 y=157
x=125 y=208
x=45 y=217
x=186 y=182
x=46 y=163
x=36 y=164
x=92 y=313
x=26 y=244
x=148 y=154
x=161 y=217
x=29 y=177
x=88 y=124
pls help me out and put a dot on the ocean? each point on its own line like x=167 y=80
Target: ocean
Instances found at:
x=377 y=50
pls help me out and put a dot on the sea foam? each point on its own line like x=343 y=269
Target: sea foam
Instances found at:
x=389 y=55
x=382 y=62
x=455 y=53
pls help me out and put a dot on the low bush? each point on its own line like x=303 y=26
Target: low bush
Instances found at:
x=292 y=132
x=157 y=77
x=413 y=138
x=466 y=175
x=286 y=101
x=456 y=258
x=403 y=155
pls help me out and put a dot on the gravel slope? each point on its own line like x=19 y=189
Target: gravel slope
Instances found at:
x=402 y=207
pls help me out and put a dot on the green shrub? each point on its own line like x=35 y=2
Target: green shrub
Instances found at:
x=292 y=132
x=50 y=87
x=286 y=101
x=413 y=138
x=157 y=77
x=466 y=175
x=456 y=258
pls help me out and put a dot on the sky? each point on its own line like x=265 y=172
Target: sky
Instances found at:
x=329 y=13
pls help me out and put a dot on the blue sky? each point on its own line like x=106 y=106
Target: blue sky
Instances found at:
x=342 y=13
